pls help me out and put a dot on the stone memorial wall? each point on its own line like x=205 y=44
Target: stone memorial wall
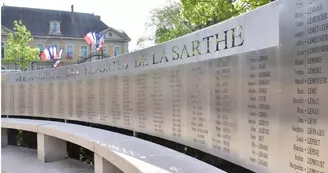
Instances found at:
x=251 y=90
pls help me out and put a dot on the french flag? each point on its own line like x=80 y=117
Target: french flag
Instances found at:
x=59 y=54
x=100 y=42
x=47 y=53
x=51 y=53
x=56 y=63
x=90 y=38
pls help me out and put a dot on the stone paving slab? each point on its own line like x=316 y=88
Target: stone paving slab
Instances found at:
x=24 y=160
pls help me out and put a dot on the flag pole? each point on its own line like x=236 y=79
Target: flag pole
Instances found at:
x=90 y=49
x=102 y=53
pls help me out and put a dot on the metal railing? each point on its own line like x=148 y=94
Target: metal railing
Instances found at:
x=35 y=65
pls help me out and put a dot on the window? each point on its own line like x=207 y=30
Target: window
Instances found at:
x=116 y=51
x=105 y=51
x=54 y=27
x=57 y=47
x=84 y=51
x=69 y=51
x=2 y=50
x=40 y=46
x=110 y=35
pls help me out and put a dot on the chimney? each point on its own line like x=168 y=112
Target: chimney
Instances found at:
x=98 y=17
x=72 y=14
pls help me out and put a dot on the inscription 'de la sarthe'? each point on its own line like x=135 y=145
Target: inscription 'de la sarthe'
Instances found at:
x=222 y=41
x=213 y=43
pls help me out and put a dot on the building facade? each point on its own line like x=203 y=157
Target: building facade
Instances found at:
x=63 y=29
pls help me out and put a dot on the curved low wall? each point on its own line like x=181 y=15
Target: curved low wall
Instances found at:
x=128 y=154
x=249 y=90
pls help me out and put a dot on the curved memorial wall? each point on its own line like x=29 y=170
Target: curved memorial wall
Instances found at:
x=252 y=90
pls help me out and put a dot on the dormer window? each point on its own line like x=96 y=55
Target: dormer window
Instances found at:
x=54 y=27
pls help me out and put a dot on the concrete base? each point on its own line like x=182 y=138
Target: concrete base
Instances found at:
x=135 y=134
x=4 y=137
x=51 y=148
x=24 y=160
x=103 y=166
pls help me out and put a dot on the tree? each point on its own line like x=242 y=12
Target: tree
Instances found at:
x=204 y=13
x=18 y=50
x=167 y=22
x=177 y=19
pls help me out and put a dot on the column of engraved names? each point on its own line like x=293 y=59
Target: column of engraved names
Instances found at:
x=79 y=100
x=115 y=109
x=91 y=99
x=30 y=96
x=4 y=100
x=221 y=140
x=60 y=93
x=141 y=82
x=21 y=101
x=298 y=100
x=51 y=98
x=197 y=80
x=102 y=99
x=259 y=109
x=127 y=100
x=175 y=88
x=317 y=42
x=308 y=79
x=70 y=98
x=157 y=101
x=12 y=98
x=41 y=98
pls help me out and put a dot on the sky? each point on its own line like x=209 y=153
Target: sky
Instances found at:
x=128 y=15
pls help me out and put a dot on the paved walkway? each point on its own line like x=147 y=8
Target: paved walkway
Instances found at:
x=24 y=160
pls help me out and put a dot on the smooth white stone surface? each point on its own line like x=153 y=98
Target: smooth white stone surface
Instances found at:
x=24 y=160
x=103 y=166
x=129 y=154
x=51 y=148
x=4 y=137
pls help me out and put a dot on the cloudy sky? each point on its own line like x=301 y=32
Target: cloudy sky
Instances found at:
x=128 y=15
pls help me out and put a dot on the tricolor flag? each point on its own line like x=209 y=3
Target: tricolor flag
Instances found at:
x=51 y=53
x=59 y=54
x=95 y=39
x=100 y=42
x=45 y=55
x=90 y=38
x=56 y=63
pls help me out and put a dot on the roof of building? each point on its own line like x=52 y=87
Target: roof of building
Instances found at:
x=72 y=24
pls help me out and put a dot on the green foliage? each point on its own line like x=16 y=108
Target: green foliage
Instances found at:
x=204 y=13
x=247 y=5
x=25 y=139
x=18 y=50
x=168 y=23
x=177 y=19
